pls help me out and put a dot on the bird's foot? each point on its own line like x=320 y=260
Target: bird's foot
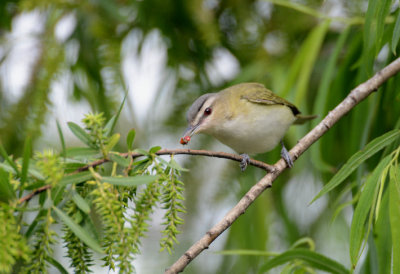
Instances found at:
x=286 y=156
x=245 y=161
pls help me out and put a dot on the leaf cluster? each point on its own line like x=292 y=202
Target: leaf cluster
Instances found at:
x=103 y=209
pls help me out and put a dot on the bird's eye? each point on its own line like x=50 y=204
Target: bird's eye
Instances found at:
x=207 y=111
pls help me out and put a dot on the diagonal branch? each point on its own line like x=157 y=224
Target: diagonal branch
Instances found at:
x=356 y=96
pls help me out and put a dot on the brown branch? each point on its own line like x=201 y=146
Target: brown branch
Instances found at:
x=225 y=155
x=356 y=96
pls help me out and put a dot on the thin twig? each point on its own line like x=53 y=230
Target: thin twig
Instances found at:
x=230 y=156
x=356 y=96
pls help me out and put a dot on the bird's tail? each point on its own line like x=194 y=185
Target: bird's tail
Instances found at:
x=301 y=119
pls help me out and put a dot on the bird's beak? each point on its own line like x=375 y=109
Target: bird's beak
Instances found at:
x=191 y=129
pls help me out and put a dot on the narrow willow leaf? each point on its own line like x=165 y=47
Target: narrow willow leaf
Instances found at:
x=382 y=237
x=7 y=168
x=62 y=140
x=3 y=153
x=25 y=159
x=6 y=191
x=154 y=149
x=31 y=229
x=33 y=172
x=130 y=181
x=357 y=159
x=79 y=231
x=70 y=167
x=313 y=46
x=81 y=134
x=141 y=151
x=57 y=194
x=370 y=24
x=304 y=241
x=76 y=178
x=130 y=138
x=357 y=231
x=109 y=127
x=81 y=202
x=57 y=265
x=314 y=259
x=322 y=97
x=122 y=161
x=383 y=12
x=394 y=213
x=173 y=164
x=112 y=142
x=396 y=34
x=300 y=59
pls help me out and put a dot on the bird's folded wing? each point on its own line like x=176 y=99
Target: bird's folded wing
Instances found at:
x=261 y=95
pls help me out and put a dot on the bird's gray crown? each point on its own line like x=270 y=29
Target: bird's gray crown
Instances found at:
x=196 y=106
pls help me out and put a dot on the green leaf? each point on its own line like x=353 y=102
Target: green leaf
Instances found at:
x=154 y=149
x=382 y=237
x=6 y=190
x=394 y=213
x=62 y=140
x=296 y=73
x=322 y=97
x=3 y=153
x=76 y=178
x=112 y=142
x=81 y=134
x=141 y=151
x=365 y=203
x=122 y=161
x=396 y=34
x=7 y=168
x=173 y=164
x=57 y=194
x=357 y=159
x=312 y=48
x=113 y=121
x=31 y=229
x=370 y=23
x=314 y=259
x=33 y=172
x=57 y=265
x=383 y=12
x=81 y=202
x=130 y=181
x=109 y=125
x=25 y=159
x=72 y=166
x=79 y=231
x=130 y=138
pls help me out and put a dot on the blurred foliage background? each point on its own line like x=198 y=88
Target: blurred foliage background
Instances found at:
x=61 y=59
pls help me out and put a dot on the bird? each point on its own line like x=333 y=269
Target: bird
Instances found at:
x=247 y=117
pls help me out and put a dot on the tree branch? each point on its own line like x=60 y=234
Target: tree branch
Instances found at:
x=230 y=156
x=355 y=96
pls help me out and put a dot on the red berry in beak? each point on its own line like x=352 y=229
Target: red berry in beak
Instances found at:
x=185 y=140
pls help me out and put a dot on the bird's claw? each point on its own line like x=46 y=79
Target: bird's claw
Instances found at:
x=286 y=156
x=245 y=161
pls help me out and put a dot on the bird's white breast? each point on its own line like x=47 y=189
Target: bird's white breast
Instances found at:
x=257 y=131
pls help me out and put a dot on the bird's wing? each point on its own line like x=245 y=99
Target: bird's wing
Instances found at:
x=257 y=93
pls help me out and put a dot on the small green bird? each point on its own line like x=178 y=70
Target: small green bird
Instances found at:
x=246 y=117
